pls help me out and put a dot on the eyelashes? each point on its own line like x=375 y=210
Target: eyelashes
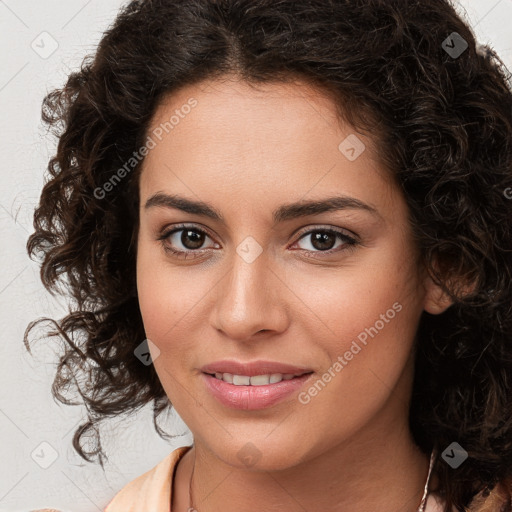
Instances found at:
x=197 y=236
x=188 y=253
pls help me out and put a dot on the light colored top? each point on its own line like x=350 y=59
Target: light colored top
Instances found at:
x=151 y=491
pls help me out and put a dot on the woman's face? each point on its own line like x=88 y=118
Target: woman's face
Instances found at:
x=263 y=279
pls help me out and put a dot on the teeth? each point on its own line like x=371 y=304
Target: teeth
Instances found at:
x=262 y=380
x=256 y=380
x=241 y=380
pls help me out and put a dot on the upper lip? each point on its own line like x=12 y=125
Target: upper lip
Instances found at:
x=253 y=368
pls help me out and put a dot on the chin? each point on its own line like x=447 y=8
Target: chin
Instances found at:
x=260 y=453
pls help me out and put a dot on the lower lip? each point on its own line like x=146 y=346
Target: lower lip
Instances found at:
x=252 y=397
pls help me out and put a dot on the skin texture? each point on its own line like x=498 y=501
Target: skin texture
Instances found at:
x=246 y=151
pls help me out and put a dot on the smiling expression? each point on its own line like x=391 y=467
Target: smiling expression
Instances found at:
x=288 y=249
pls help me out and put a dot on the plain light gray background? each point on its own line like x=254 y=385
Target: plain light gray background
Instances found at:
x=41 y=42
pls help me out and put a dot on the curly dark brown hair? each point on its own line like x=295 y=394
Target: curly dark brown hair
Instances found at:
x=443 y=125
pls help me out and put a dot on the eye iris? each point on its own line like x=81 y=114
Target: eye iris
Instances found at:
x=197 y=239
x=322 y=238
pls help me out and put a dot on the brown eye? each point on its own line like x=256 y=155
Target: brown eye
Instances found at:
x=324 y=241
x=192 y=239
x=185 y=241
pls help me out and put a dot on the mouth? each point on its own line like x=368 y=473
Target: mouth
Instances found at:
x=255 y=380
x=250 y=369
x=254 y=391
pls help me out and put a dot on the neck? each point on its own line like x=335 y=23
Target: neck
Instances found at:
x=381 y=468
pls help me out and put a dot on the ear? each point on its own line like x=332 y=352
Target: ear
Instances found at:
x=436 y=301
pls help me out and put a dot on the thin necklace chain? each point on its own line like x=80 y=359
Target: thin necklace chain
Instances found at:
x=421 y=508
x=423 y=502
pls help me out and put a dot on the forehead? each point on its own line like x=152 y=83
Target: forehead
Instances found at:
x=238 y=115
x=257 y=140
x=230 y=106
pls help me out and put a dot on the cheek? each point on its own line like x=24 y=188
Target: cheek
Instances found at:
x=367 y=314
x=368 y=328
x=344 y=302
x=161 y=310
x=158 y=301
x=153 y=296
x=375 y=334
x=171 y=300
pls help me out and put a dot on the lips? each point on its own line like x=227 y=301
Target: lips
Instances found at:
x=254 y=368
x=254 y=385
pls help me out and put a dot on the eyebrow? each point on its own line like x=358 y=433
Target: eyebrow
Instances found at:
x=283 y=213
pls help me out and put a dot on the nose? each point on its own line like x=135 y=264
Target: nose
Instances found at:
x=251 y=298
